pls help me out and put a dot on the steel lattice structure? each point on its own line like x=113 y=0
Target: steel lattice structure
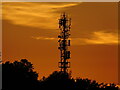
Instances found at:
x=64 y=42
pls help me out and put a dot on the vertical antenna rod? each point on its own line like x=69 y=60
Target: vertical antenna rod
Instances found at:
x=64 y=42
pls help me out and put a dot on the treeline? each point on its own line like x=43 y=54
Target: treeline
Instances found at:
x=19 y=75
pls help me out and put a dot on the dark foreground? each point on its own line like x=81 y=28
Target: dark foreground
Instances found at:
x=20 y=76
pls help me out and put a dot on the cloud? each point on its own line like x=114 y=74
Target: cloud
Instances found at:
x=60 y=0
x=41 y=1
x=44 y=38
x=99 y=37
x=32 y=14
x=103 y=38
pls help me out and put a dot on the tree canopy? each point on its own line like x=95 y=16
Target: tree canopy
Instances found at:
x=20 y=75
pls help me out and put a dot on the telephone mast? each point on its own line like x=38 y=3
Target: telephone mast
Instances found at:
x=64 y=42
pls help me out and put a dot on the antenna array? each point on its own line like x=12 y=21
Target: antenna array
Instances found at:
x=64 y=42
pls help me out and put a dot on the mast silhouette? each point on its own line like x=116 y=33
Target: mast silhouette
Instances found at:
x=64 y=42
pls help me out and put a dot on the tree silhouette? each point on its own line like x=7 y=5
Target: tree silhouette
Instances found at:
x=86 y=84
x=58 y=80
x=19 y=75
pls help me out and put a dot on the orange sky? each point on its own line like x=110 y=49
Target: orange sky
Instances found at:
x=30 y=31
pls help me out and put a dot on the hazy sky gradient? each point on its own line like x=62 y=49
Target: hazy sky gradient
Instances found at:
x=30 y=31
x=60 y=1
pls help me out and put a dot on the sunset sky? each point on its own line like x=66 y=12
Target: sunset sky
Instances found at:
x=30 y=32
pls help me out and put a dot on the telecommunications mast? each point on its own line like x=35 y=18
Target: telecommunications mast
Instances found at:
x=64 y=42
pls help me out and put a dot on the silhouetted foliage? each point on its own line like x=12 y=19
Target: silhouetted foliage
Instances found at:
x=86 y=84
x=20 y=76
x=17 y=75
x=58 y=80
